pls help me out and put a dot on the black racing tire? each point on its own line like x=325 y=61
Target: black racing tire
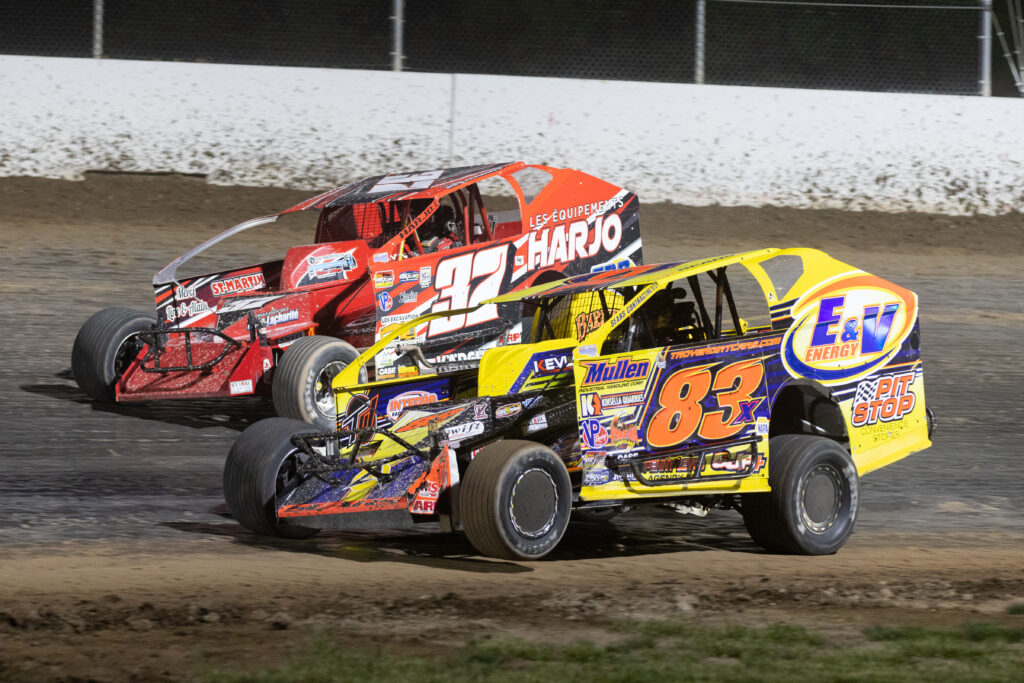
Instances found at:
x=302 y=380
x=260 y=465
x=812 y=507
x=515 y=500
x=102 y=350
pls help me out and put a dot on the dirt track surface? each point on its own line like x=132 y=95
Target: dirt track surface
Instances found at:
x=115 y=534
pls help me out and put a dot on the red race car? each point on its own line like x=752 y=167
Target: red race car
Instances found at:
x=386 y=249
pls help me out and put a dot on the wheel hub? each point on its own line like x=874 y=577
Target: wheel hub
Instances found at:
x=821 y=498
x=533 y=504
x=323 y=397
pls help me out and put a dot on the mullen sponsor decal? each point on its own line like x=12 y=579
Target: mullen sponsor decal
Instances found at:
x=848 y=328
x=625 y=368
x=240 y=283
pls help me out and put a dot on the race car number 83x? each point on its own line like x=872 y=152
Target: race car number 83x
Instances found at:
x=679 y=412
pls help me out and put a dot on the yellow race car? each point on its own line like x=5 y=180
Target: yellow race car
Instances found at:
x=767 y=381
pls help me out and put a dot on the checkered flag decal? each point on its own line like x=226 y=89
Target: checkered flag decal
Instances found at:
x=866 y=391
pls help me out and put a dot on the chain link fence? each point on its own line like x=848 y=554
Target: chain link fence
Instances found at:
x=935 y=46
x=600 y=39
x=904 y=46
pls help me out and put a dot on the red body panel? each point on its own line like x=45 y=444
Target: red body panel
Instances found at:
x=369 y=266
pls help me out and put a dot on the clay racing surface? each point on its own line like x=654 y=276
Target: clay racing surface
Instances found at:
x=120 y=560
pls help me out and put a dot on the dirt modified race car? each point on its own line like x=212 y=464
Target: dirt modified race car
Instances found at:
x=386 y=250
x=767 y=381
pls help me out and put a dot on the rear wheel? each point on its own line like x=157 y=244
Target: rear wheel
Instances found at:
x=812 y=507
x=515 y=500
x=302 y=380
x=104 y=348
x=260 y=468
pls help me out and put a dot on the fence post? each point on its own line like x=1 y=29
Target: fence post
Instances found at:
x=97 y=28
x=396 y=35
x=985 y=40
x=698 y=57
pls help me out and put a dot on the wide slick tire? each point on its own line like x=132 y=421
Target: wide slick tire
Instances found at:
x=515 y=500
x=302 y=380
x=812 y=508
x=260 y=465
x=102 y=350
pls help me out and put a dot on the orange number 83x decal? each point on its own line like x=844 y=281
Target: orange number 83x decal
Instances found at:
x=679 y=413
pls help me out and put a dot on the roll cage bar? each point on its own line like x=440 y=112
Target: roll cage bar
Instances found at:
x=394 y=213
x=642 y=317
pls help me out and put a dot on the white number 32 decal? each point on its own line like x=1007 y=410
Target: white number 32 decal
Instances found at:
x=464 y=281
x=402 y=182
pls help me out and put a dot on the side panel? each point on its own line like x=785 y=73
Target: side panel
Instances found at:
x=859 y=335
x=667 y=406
x=526 y=367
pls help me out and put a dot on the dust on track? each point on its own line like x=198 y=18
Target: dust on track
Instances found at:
x=115 y=530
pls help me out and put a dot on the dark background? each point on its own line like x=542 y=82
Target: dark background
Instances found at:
x=931 y=49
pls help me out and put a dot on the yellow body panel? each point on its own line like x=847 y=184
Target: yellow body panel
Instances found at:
x=882 y=403
x=500 y=367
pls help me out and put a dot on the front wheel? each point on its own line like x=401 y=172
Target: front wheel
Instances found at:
x=302 y=380
x=260 y=468
x=104 y=348
x=515 y=500
x=813 y=504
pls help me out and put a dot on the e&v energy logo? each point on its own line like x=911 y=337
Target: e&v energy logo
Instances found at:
x=848 y=328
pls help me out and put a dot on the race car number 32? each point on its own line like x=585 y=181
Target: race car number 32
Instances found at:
x=464 y=281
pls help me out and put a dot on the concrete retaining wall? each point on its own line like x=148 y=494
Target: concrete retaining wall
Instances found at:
x=700 y=145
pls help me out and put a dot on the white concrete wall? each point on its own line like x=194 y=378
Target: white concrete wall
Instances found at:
x=315 y=128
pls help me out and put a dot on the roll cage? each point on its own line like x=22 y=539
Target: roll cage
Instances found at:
x=385 y=209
